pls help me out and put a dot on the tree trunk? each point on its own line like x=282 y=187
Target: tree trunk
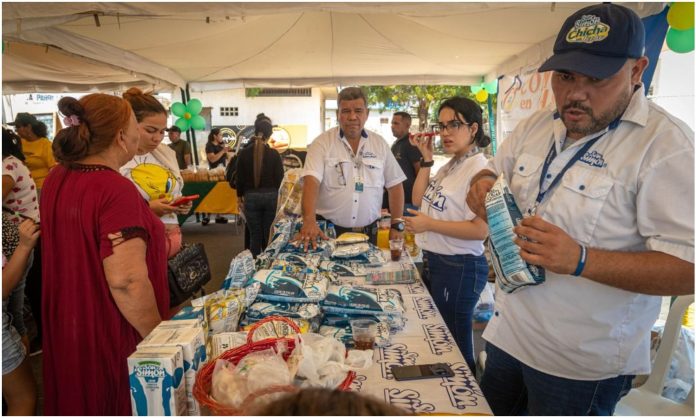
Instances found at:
x=423 y=106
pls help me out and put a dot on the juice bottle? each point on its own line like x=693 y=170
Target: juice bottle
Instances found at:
x=410 y=243
x=383 y=238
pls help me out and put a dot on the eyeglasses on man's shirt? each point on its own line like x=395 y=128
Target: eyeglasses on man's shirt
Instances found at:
x=450 y=126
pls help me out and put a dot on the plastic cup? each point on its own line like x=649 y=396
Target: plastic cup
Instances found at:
x=364 y=333
x=396 y=246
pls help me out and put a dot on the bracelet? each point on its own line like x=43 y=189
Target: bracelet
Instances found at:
x=581 y=262
x=426 y=164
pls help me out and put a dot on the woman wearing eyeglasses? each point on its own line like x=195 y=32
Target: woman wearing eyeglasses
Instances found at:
x=449 y=233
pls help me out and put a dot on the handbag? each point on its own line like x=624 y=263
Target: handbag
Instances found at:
x=188 y=271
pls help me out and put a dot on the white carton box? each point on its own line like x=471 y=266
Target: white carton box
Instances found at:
x=157 y=384
x=192 y=344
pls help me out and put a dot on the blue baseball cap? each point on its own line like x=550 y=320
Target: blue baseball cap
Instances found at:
x=596 y=41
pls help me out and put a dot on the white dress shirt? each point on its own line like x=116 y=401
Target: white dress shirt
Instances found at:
x=632 y=191
x=350 y=191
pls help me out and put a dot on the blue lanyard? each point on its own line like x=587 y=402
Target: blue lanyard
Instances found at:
x=552 y=155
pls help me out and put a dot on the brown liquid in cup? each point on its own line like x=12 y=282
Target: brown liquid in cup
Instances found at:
x=364 y=344
x=395 y=255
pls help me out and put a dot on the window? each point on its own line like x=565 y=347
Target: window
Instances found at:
x=229 y=111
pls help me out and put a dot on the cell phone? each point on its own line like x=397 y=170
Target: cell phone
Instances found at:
x=184 y=199
x=422 y=371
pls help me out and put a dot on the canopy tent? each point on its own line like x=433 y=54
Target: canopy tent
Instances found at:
x=212 y=46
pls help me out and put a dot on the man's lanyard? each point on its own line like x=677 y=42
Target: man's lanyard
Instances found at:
x=357 y=164
x=552 y=155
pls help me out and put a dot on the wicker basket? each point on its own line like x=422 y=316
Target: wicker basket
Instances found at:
x=204 y=377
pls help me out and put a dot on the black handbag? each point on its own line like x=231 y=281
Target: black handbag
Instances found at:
x=188 y=270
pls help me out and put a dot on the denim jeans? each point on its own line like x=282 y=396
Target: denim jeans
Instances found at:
x=512 y=388
x=259 y=210
x=456 y=282
x=15 y=301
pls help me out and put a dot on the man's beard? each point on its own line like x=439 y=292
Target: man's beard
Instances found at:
x=597 y=123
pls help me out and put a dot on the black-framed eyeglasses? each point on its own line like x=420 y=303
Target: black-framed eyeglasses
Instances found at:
x=450 y=126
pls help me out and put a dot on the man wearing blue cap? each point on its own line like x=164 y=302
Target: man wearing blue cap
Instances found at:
x=607 y=181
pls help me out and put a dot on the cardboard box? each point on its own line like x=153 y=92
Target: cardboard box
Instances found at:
x=157 y=381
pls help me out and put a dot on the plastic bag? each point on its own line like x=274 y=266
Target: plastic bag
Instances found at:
x=486 y=304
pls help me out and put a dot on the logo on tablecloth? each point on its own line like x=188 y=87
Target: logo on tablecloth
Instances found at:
x=425 y=307
x=462 y=388
x=407 y=399
x=357 y=383
x=439 y=338
x=416 y=288
x=396 y=355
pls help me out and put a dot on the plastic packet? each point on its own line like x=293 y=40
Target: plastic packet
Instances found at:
x=241 y=269
x=512 y=272
x=350 y=250
x=366 y=300
x=277 y=286
x=351 y=238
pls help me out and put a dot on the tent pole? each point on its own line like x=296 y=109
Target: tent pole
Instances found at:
x=190 y=133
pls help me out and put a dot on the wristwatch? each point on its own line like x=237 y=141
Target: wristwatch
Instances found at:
x=426 y=164
x=398 y=224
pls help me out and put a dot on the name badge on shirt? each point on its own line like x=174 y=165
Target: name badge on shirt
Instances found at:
x=358 y=186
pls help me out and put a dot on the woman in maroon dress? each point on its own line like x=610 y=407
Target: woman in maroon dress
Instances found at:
x=105 y=279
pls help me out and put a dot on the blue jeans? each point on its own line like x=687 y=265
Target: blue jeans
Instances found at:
x=512 y=388
x=259 y=210
x=15 y=302
x=456 y=282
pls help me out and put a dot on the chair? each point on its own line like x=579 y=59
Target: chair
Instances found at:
x=647 y=399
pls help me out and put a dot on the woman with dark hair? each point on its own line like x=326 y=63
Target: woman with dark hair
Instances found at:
x=19 y=199
x=259 y=174
x=105 y=283
x=326 y=402
x=35 y=145
x=216 y=152
x=449 y=233
x=154 y=169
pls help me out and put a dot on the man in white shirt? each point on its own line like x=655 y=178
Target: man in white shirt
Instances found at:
x=345 y=172
x=608 y=183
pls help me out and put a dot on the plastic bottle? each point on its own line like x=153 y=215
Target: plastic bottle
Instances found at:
x=331 y=231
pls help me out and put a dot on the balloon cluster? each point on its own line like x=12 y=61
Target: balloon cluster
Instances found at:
x=484 y=89
x=189 y=115
x=680 y=37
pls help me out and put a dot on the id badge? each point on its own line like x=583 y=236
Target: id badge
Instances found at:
x=359 y=186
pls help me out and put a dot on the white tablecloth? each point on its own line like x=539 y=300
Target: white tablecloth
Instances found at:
x=424 y=340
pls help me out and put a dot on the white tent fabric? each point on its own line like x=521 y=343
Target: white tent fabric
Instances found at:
x=221 y=45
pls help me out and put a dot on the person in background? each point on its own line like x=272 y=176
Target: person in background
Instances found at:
x=216 y=153
x=39 y=159
x=18 y=384
x=19 y=202
x=345 y=172
x=105 y=276
x=327 y=402
x=607 y=182
x=181 y=148
x=154 y=169
x=407 y=155
x=35 y=145
x=449 y=233
x=259 y=174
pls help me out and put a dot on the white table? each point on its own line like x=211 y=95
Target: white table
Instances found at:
x=425 y=339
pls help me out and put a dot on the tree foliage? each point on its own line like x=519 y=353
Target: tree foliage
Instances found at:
x=419 y=100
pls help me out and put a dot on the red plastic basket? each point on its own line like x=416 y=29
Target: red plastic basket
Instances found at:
x=204 y=377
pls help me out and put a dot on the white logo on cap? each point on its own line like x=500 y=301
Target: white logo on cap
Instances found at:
x=588 y=29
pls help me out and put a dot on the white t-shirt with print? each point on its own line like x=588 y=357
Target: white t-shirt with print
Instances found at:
x=22 y=198
x=153 y=180
x=445 y=200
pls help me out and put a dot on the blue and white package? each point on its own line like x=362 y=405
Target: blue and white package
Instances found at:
x=192 y=344
x=241 y=269
x=259 y=310
x=396 y=323
x=511 y=270
x=157 y=386
x=344 y=334
x=302 y=260
x=278 y=286
x=340 y=269
x=348 y=299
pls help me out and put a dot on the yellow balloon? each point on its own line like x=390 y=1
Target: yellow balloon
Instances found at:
x=681 y=15
x=482 y=95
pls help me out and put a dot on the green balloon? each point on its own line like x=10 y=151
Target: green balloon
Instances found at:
x=178 y=109
x=194 y=107
x=198 y=122
x=183 y=124
x=681 y=15
x=491 y=87
x=680 y=41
